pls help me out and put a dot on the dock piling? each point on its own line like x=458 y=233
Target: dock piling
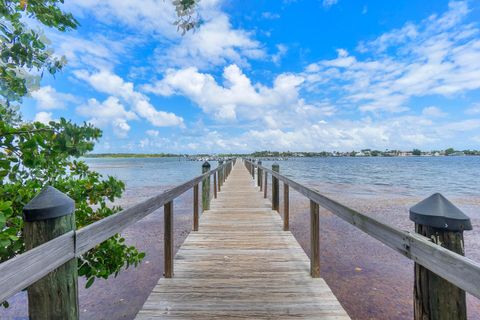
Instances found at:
x=314 y=239
x=168 y=239
x=275 y=188
x=259 y=175
x=47 y=216
x=434 y=297
x=195 y=207
x=206 y=187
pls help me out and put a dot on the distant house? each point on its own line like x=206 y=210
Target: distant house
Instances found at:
x=457 y=154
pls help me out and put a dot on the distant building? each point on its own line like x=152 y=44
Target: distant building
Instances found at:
x=457 y=154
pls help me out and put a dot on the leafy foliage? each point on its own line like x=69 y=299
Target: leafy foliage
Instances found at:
x=23 y=49
x=185 y=10
x=34 y=155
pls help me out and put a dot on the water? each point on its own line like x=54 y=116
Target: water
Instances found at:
x=407 y=176
x=148 y=172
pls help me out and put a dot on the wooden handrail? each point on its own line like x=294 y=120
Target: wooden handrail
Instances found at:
x=457 y=269
x=27 y=268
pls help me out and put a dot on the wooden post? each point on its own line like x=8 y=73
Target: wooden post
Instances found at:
x=442 y=222
x=286 y=208
x=206 y=187
x=314 y=240
x=265 y=185
x=253 y=169
x=220 y=175
x=215 y=185
x=259 y=175
x=47 y=216
x=168 y=239
x=195 y=207
x=275 y=188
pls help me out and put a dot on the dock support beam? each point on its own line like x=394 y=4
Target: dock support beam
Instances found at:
x=434 y=297
x=168 y=239
x=286 y=207
x=275 y=188
x=314 y=239
x=206 y=187
x=195 y=207
x=265 y=185
x=259 y=175
x=47 y=216
x=220 y=175
x=215 y=185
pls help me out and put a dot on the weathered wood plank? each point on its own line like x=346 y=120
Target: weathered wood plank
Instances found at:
x=23 y=270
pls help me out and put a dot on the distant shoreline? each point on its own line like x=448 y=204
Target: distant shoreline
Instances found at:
x=198 y=157
x=132 y=155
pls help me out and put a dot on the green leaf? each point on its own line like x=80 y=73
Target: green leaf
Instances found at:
x=89 y=282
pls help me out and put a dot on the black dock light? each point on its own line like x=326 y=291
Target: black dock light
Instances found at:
x=49 y=203
x=437 y=212
x=443 y=223
x=47 y=216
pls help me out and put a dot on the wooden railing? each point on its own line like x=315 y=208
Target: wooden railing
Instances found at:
x=27 y=269
x=434 y=298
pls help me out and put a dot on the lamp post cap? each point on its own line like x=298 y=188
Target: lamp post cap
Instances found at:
x=49 y=203
x=438 y=212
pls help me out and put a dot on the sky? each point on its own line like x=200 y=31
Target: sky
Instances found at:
x=297 y=75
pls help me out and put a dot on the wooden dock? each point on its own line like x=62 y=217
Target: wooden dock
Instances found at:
x=241 y=265
x=240 y=261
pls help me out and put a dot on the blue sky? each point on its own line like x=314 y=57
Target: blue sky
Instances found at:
x=299 y=75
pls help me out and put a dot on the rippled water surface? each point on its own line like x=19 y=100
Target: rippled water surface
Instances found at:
x=410 y=176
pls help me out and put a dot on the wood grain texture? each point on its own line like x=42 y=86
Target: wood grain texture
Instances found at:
x=241 y=265
x=434 y=297
x=23 y=270
x=314 y=240
x=461 y=271
x=195 y=207
x=168 y=239
x=55 y=296
x=286 y=207
x=215 y=186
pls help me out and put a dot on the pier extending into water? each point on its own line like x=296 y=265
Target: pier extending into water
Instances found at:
x=240 y=261
x=241 y=264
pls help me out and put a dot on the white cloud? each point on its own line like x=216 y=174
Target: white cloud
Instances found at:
x=329 y=3
x=43 y=117
x=270 y=15
x=433 y=111
x=108 y=113
x=152 y=133
x=282 y=51
x=475 y=109
x=152 y=16
x=439 y=56
x=47 y=98
x=109 y=83
x=238 y=98
x=215 y=43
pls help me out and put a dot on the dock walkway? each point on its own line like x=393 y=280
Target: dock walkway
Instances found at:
x=241 y=265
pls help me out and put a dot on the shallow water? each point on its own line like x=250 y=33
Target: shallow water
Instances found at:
x=370 y=280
